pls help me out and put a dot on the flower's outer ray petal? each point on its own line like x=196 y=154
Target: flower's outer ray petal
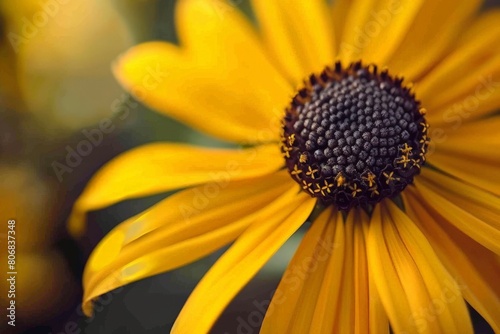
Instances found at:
x=161 y=167
x=182 y=216
x=385 y=275
x=302 y=280
x=298 y=33
x=474 y=267
x=379 y=322
x=355 y=17
x=409 y=276
x=383 y=22
x=433 y=31
x=324 y=312
x=220 y=81
x=326 y=287
x=370 y=308
x=475 y=94
x=240 y=263
x=340 y=8
x=469 y=152
x=342 y=306
x=473 y=211
x=174 y=232
x=466 y=83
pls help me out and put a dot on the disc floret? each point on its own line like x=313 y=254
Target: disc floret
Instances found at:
x=353 y=136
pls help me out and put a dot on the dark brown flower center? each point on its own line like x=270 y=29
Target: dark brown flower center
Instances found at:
x=353 y=136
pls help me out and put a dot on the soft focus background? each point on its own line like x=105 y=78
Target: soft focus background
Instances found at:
x=56 y=87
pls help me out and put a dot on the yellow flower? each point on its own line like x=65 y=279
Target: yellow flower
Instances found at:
x=61 y=59
x=410 y=228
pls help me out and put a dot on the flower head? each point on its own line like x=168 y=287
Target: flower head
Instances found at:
x=405 y=174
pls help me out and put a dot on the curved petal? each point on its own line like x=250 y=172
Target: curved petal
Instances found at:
x=161 y=167
x=298 y=33
x=221 y=82
x=472 y=210
x=465 y=84
x=180 y=229
x=474 y=267
x=241 y=262
x=434 y=29
x=374 y=23
x=469 y=152
x=409 y=277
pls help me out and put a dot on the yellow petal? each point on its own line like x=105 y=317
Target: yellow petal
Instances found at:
x=462 y=206
x=375 y=29
x=474 y=267
x=161 y=167
x=205 y=218
x=486 y=205
x=241 y=262
x=302 y=281
x=340 y=8
x=298 y=33
x=472 y=95
x=432 y=32
x=333 y=305
x=220 y=82
x=369 y=314
x=410 y=278
x=352 y=42
x=469 y=152
x=465 y=84
x=326 y=288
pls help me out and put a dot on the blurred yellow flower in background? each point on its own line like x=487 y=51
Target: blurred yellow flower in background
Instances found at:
x=55 y=78
x=371 y=261
x=63 y=58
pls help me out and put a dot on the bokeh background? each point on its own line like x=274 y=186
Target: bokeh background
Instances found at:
x=55 y=87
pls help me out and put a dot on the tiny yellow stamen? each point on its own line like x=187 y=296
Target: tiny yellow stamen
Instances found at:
x=340 y=179
x=374 y=191
x=404 y=161
x=425 y=127
x=416 y=163
x=303 y=158
x=327 y=187
x=370 y=178
x=311 y=172
x=286 y=152
x=306 y=186
x=425 y=140
x=296 y=171
x=390 y=177
x=406 y=149
x=355 y=190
